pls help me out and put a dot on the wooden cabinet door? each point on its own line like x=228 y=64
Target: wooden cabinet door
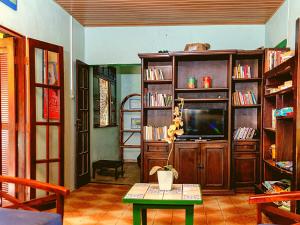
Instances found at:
x=214 y=166
x=246 y=169
x=186 y=162
x=155 y=154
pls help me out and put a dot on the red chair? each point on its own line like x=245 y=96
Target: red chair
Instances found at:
x=277 y=215
x=32 y=205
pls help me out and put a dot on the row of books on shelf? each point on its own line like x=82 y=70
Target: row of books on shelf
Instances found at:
x=278 y=57
x=155 y=133
x=157 y=100
x=244 y=98
x=154 y=74
x=285 y=85
x=244 y=133
x=242 y=72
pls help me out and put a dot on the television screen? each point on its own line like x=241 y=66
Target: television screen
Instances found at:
x=205 y=123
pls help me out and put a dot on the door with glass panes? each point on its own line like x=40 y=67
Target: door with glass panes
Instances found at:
x=46 y=114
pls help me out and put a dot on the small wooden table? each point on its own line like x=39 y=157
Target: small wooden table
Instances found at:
x=145 y=196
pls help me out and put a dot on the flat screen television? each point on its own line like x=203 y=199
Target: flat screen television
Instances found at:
x=203 y=123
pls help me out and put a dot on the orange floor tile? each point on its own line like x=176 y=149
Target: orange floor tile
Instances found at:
x=101 y=204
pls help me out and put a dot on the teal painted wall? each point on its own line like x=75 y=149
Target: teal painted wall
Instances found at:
x=283 y=24
x=111 y=45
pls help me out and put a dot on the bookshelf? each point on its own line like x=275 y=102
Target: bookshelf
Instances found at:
x=279 y=127
x=246 y=118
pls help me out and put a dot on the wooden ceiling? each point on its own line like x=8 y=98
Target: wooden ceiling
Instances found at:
x=170 y=12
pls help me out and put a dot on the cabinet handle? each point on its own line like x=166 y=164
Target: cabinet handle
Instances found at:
x=200 y=167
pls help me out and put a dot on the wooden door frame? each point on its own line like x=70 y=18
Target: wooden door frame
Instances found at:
x=21 y=102
x=33 y=44
x=78 y=64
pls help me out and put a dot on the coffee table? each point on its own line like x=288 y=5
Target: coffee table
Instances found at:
x=145 y=196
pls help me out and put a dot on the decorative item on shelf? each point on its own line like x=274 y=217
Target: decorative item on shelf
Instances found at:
x=163 y=51
x=197 y=47
x=273 y=151
x=134 y=103
x=274 y=118
x=136 y=123
x=287 y=111
x=206 y=82
x=192 y=82
x=167 y=173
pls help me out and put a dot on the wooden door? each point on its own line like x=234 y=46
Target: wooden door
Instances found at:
x=46 y=113
x=214 y=164
x=82 y=125
x=7 y=113
x=186 y=162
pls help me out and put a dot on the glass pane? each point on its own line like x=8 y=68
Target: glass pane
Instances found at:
x=41 y=145
x=41 y=175
x=113 y=104
x=41 y=104
x=53 y=70
x=104 y=102
x=53 y=142
x=40 y=66
x=53 y=173
x=54 y=105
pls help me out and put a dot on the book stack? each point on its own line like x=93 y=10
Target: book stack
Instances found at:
x=241 y=72
x=158 y=100
x=278 y=57
x=273 y=187
x=154 y=74
x=285 y=165
x=155 y=133
x=246 y=98
x=244 y=133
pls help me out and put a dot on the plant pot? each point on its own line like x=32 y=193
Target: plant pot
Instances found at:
x=165 y=180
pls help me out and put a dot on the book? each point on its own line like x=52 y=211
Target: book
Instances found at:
x=243 y=98
x=154 y=74
x=242 y=72
x=244 y=133
x=155 y=133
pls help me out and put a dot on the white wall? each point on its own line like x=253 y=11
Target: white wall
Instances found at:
x=47 y=21
x=121 y=45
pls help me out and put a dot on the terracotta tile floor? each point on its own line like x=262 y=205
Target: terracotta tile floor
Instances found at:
x=101 y=204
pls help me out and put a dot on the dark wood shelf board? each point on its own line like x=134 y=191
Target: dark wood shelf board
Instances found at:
x=204 y=100
x=271 y=164
x=282 y=92
x=158 y=81
x=201 y=89
x=154 y=55
x=284 y=117
x=282 y=69
x=270 y=129
x=157 y=107
x=246 y=80
x=247 y=106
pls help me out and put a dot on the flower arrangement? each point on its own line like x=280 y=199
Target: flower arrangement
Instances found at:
x=174 y=130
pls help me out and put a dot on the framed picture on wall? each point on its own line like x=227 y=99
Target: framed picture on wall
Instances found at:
x=136 y=123
x=11 y=3
x=134 y=103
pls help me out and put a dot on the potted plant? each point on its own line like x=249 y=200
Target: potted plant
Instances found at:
x=167 y=173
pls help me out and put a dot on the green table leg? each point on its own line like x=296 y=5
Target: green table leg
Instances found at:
x=136 y=215
x=189 y=215
x=144 y=216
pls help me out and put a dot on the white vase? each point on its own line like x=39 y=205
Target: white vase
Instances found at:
x=165 y=180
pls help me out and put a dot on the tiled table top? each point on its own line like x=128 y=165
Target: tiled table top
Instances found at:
x=180 y=194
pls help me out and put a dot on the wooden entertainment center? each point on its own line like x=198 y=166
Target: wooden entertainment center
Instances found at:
x=219 y=165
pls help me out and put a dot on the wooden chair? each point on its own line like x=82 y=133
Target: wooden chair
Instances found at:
x=278 y=215
x=59 y=194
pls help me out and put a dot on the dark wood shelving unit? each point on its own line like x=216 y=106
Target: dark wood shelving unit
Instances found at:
x=204 y=100
x=246 y=80
x=201 y=90
x=247 y=153
x=247 y=106
x=283 y=134
x=157 y=81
